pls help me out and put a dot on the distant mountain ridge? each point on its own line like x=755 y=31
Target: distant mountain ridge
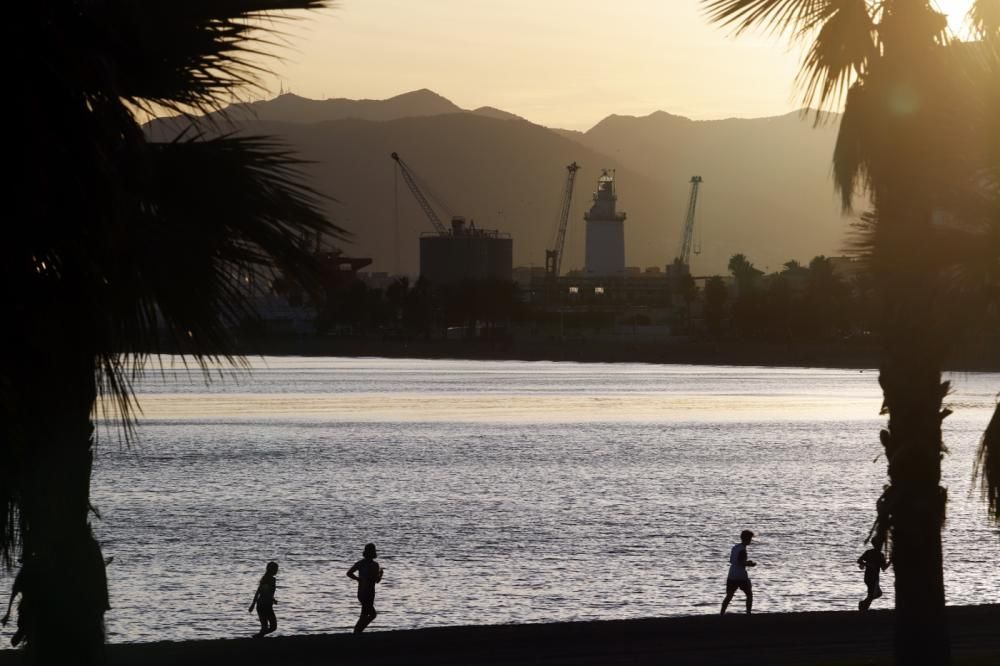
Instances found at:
x=767 y=189
x=291 y=108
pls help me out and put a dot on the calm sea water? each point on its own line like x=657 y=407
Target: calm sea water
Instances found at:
x=507 y=492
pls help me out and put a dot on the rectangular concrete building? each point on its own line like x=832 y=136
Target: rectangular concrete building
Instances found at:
x=466 y=253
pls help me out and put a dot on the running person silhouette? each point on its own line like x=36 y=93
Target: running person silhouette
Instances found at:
x=263 y=599
x=872 y=560
x=367 y=572
x=738 y=578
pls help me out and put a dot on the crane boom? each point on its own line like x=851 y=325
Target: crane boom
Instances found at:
x=684 y=256
x=411 y=183
x=553 y=257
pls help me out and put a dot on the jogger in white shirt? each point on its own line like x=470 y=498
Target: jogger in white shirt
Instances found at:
x=738 y=578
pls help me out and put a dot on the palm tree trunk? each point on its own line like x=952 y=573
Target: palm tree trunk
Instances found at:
x=66 y=594
x=913 y=507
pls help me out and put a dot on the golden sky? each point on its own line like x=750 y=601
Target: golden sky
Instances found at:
x=565 y=63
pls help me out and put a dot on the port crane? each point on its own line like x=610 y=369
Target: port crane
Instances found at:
x=425 y=205
x=684 y=255
x=553 y=257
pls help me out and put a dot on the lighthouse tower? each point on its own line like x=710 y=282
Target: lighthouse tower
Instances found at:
x=605 y=230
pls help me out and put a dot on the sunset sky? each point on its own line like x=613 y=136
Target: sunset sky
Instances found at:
x=564 y=63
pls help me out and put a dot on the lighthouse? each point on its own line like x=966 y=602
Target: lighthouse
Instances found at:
x=605 y=230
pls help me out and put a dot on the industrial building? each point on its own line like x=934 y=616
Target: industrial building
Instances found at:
x=605 y=252
x=465 y=253
x=462 y=252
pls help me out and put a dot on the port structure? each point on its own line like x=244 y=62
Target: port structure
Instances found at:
x=605 y=246
x=418 y=194
x=463 y=252
x=553 y=257
x=684 y=254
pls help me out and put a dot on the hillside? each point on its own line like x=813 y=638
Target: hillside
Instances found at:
x=290 y=108
x=767 y=190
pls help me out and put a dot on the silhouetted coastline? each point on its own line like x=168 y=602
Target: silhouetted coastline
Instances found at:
x=849 y=354
x=831 y=638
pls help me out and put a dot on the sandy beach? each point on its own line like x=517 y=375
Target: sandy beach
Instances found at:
x=829 y=638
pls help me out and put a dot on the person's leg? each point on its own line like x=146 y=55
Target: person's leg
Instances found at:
x=368 y=614
x=262 y=618
x=22 y=625
x=730 y=591
x=363 y=617
x=272 y=620
x=748 y=590
x=873 y=593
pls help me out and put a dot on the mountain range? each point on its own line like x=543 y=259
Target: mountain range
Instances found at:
x=767 y=189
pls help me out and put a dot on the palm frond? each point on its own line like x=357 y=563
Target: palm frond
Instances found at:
x=984 y=15
x=795 y=17
x=217 y=218
x=840 y=52
x=191 y=54
x=852 y=150
x=987 y=467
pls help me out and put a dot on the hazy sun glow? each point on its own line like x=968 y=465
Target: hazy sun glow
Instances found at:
x=957 y=11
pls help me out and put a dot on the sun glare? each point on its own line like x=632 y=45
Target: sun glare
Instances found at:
x=958 y=14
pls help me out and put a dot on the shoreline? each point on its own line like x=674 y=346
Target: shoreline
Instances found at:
x=845 y=355
x=827 y=637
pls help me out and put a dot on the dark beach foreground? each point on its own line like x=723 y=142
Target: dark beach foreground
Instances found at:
x=829 y=638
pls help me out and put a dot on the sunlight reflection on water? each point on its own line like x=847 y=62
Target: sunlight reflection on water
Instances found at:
x=506 y=492
x=417 y=407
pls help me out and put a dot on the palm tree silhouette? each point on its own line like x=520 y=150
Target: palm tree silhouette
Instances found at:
x=118 y=248
x=917 y=108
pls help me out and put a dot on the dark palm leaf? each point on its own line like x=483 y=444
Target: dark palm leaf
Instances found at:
x=234 y=210
x=840 y=51
x=988 y=465
x=858 y=138
x=780 y=16
x=122 y=249
x=985 y=18
x=192 y=53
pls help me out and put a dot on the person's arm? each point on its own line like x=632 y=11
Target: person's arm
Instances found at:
x=256 y=595
x=743 y=559
x=378 y=576
x=350 y=572
x=861 y=561
x=885 y=563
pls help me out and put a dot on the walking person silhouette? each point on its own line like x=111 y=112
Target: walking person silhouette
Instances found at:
x=738 y=578
x=264 y=600
x=367 y=572
x=872 y=560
